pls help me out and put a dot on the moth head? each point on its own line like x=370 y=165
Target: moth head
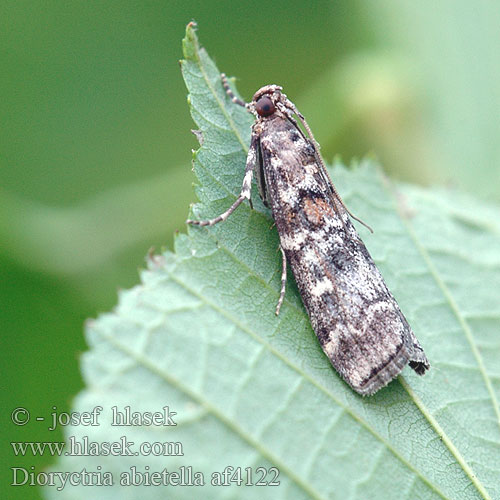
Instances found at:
x=265 y=100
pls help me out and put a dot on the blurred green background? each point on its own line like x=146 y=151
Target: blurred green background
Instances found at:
x=96 y=148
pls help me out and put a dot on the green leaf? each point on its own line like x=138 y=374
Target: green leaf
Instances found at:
x=251 y=389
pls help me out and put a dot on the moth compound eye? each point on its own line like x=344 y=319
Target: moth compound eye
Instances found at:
x=265 y=106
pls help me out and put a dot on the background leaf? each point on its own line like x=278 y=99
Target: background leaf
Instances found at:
x=199 y=334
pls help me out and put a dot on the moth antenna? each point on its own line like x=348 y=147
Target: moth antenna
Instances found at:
x=316 y=146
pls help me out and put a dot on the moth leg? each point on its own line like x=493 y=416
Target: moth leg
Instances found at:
x=246 y=188
x=283 y=281
x=230 y=93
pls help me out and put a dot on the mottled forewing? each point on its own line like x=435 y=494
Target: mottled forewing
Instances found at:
x=354 y=315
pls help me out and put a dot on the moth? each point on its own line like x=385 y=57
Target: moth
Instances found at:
x=354 y=315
